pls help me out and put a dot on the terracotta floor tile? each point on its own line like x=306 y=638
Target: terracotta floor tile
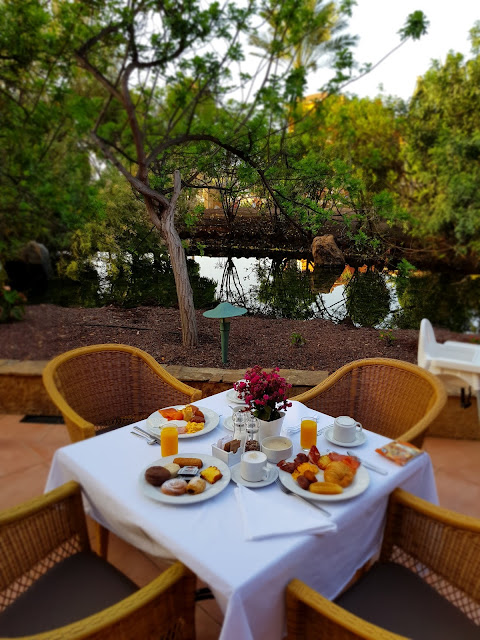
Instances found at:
x=461 y=495
x=446 y=453
x=16 y=455
x=22 y=485
x=211 y=608
x=135 y=564
x=206 y=628
x=11 y=426
x=53 y=438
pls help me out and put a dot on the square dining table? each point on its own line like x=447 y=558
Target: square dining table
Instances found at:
x=247 y=577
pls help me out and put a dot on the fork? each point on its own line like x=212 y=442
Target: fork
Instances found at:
x=149 y=440
x=310 y=502
x=320 y=430
x=150 y=436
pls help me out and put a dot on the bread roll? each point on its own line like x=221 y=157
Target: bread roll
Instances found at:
x=325 y=487
x=174 y=487
x=157 y=475
x=189 y=462
x=173 y=468
x=196 y=485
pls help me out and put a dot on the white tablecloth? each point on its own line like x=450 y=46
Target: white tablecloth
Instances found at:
x=248 y=578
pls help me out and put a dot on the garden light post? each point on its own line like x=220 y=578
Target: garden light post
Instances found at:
x=224 y=311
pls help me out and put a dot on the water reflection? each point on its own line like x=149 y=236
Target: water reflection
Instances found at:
x=366 y=297
x=284 y=288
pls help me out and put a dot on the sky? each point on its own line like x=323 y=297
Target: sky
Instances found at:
x=377 y=22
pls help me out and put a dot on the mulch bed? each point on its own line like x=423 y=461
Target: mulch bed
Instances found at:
x=48 y=330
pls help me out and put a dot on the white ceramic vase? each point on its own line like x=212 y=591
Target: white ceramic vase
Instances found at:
x=272 y=428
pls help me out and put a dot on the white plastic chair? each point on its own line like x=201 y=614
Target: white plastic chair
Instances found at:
x=452 y=358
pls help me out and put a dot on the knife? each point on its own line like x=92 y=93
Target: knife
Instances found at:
x=147 y=433
x=368 y=465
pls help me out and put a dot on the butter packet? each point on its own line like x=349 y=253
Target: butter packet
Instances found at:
x=399 y=452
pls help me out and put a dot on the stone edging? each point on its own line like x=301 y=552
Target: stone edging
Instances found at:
x=22 y=391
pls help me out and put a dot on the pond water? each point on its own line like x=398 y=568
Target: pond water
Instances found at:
x=286 y=288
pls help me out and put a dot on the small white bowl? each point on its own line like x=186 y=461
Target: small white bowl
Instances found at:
x=277 y=448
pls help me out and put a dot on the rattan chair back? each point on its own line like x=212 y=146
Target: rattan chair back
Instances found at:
x=393 y=398
x=110 y=385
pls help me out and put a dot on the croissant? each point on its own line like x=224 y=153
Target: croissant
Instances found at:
x=339 y=473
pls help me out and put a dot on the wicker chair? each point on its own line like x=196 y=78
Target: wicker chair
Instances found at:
x=426 y=584
x=106 y=386
x=52 y=587
x=110 y=385
x=394 y=398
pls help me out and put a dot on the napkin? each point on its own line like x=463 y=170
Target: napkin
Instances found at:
x=265 y=516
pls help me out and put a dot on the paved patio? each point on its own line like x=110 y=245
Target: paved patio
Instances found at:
x=26 y=450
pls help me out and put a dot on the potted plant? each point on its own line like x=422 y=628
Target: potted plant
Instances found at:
x=266 y=395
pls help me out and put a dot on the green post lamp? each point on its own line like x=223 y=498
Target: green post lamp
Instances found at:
x=224 y=311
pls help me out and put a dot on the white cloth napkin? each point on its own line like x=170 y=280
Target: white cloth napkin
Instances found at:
x=264 y=517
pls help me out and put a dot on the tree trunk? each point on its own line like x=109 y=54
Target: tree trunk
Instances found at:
x=179 y=264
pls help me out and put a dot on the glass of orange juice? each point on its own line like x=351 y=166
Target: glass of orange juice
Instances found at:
x=308 y=432
x=169 y=441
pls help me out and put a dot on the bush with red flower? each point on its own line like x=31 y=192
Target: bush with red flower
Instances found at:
x=12 y=304
x=265 y=392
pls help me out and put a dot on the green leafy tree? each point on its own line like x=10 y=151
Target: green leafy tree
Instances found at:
x=45 y=172
x=162 y=78
x=155 y=121
x=308 y=31
x=443 y=153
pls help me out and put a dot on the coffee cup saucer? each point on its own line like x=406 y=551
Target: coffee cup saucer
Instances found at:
x=360 y=438
x=271 y=476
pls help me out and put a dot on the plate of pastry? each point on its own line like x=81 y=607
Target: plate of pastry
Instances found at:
x=205 y=478
x=191 y=420
x=330 y=479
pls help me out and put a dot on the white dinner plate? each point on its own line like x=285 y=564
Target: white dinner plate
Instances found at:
x=156 y=422
x=271 y=476
x=211 y=490
x=232 y=397
x=228 y=423
x=358 y=486
x=359 y=438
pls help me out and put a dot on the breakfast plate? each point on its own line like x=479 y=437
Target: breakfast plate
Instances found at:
x=155 y=422
x=233 y=397
x=271 y=476
x=358 y=486
x=360 y=438
x=211 y=490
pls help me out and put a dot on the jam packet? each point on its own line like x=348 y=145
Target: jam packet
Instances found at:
x=188 y=471
x=399 y=452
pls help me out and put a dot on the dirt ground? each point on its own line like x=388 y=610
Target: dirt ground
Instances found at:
x=48 y=330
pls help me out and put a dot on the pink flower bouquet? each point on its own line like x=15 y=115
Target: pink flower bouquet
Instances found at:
x=265 y=392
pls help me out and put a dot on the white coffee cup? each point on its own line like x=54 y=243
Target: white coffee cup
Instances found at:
x=253 y=466
x=346 y=429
